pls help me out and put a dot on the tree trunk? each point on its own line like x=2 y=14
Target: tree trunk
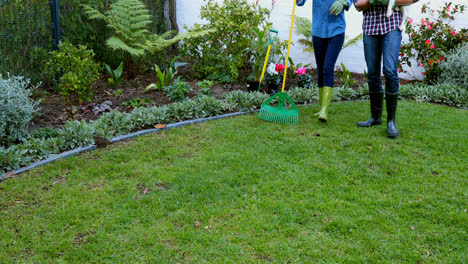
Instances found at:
x=173 y=15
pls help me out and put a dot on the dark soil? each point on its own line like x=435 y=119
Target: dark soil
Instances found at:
x=55 y=111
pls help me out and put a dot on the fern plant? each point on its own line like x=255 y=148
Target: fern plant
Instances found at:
x=129 y=19
x=303 y=26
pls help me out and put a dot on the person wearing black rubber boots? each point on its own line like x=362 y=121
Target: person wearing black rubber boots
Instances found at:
x=382 y=41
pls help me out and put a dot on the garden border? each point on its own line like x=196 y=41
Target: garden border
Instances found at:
x=77 y=151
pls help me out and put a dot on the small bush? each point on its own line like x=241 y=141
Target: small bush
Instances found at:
x=245 y=101
x=454 y=69
x=113 y=123
x=440 y=93
x=177 y=91
x=78 y=69
x=220 y=54
x=17 y=109
x=148 y=116
x=13 y=158
x=76 y=134
x=303 y=95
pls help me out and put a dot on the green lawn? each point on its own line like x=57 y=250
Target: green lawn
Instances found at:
x=261 y=192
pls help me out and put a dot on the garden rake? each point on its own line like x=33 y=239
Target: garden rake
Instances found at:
x=272 y=34
x=281 y=114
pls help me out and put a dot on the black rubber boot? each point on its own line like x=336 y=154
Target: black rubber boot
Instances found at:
x=376 y=101
x=391 y=101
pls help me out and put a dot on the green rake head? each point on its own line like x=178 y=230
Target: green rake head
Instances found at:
x=279 y=114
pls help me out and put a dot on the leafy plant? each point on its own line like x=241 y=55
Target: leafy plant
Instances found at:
x=205 y=87
x=76 y=134
x=13 y=158
x=136 y=102
x=245 y=101
x=116 y=75
x=147 y=116
x=431 y=39
x=17 y=109
x=117 y=92
x=177 y=91
x=345 y=77
x=164 y=78
x=454 y=69
x=78 y=68
x=220 y=54
x=129 y=19
x=113 y=123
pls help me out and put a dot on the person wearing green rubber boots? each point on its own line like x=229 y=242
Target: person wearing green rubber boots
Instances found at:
x=328 y=33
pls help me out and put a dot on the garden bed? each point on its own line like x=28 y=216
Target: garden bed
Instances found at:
x=55 y=111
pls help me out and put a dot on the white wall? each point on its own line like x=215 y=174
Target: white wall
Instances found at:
x=352 y=57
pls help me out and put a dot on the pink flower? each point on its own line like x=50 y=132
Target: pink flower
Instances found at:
x=420 y=65
x=448 y=8
x=453 y=32
x=432 y=46
x=428 y=41
x=300 y=71
x=279 y=68
x=448 y=15
x=398 y=70
x=425 y=24
x=429 y=27
x=422 y=73
x=410 y=21
x=454 y=9
x=430 y=23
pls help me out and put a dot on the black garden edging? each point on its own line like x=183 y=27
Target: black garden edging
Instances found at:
x=116 y=139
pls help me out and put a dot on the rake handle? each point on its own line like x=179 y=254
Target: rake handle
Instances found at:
x=289 y=45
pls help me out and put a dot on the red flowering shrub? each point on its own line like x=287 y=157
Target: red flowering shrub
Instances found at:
x=432 y=38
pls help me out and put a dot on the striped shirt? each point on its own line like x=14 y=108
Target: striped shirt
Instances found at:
x=377 y=23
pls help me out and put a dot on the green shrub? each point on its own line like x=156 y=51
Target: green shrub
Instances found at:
x=148 y=116
x=344 y=93
x=13 y=158
x=17 y=109
x=303 y=95
x=113 y=123
x=177 y=90
x=449 y=94
x=454 y=69
x=76 y=134
x=79 y=71
x=220 y=54
x=431 y=38
x=205 y=87
x=245 y=101
x=209 y=106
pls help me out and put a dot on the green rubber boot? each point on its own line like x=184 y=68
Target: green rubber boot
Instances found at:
x=326 y=99
x=320 y=99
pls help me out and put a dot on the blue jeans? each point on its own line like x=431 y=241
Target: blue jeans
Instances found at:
x=326 y=52
x=387 y=48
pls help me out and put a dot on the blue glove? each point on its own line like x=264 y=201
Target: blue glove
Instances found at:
x=338 y=7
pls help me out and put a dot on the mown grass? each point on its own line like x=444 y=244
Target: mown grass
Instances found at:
x=241 y=190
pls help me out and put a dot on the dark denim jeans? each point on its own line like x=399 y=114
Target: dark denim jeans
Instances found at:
x=387 y=48
x=326 y=52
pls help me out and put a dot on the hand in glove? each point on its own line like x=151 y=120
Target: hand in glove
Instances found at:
x=338 y=6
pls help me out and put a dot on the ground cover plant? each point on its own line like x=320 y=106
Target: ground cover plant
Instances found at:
x=242 y=190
